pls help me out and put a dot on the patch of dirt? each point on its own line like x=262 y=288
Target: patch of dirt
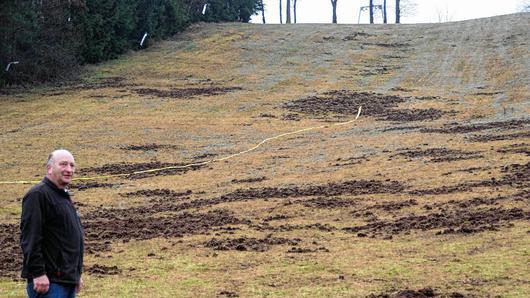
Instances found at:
x=354 y=187
x=355 y=35
x=461 y=221
x=106 y=226
x=249 y=180
x=438 y=154
x=101 y=270
x=229 y=294
x=249 y=244
x=159 y=194
x=265 y=226
x=492 y=138
x=467 y=128
x=303 y=250
x=517 y=176
x=388 y=45
x=291 y=117
x=130 y=168
x=80 y=186
x=421 y=293
x=148 y=147
x=10 y=252
x=186 y=92
x=346 y=103
x=354 y=160
x=522 y=148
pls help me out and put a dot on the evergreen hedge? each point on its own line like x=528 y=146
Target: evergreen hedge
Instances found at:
x=51 y=38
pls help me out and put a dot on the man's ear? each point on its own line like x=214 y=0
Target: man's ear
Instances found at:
x=48 y=169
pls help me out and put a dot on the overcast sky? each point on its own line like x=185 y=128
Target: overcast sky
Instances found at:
x=426 y=11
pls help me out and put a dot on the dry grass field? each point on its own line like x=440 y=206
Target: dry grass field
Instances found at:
x=426 y=194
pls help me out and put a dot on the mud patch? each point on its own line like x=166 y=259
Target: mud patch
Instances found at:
x=80 y=186
x=249 y=180
x=516 y=175
x=148 y=147
x=159 y=194
x=129 y=169
x=458 y=221
x=101 y=270
x=438 y=154
x=467 y=128
x=10 y=252
x=346 y=103
x=185 y=92
x=421 y=293
x=106 y=226
x=523 y=148
x=249 y=244
x=492 y=138
x=355 y=187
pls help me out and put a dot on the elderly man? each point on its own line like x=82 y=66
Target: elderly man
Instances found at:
x=51 y=234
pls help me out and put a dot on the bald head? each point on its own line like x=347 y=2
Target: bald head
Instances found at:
x=60 y=167
x=56 y=154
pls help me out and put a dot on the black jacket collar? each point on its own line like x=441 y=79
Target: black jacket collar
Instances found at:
x=52 y=185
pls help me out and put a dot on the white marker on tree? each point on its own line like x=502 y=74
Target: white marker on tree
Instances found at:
x=143 y=39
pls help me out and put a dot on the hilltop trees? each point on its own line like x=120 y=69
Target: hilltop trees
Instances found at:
x=46 y=40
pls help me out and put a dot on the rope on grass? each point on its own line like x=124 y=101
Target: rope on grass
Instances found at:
x=199 y=163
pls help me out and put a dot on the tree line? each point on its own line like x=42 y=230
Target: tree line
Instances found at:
x=371 y=9
x=42 y=40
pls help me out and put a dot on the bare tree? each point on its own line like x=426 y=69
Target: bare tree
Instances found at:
x=384 y=12
x=444 y=15
x=263 y=12
x=294 y=10
x=371 y=11
x=398 y=12
x=288 y=12
x=280 y=11
x=334 y=7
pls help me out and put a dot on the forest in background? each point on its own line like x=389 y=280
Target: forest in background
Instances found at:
x=43 y=40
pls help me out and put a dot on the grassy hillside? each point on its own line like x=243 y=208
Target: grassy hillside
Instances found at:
x=426 y=193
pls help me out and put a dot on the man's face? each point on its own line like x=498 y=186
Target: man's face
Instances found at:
x=62 y=169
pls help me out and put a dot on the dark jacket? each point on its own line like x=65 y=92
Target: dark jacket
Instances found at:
x=51 y=235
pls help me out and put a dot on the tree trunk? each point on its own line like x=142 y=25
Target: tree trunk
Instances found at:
x=294 y=10
x=398 y=12
x=288 y=12
x=263 y=11
x=334 y=5
x=280 y=11
x=371 y=11
x=384 y=12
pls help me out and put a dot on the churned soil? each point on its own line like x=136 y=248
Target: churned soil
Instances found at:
x=185 y=92
x=148 y=147
x=438 y=154
x=130 y=168
x=346 y=103
x=457 y=220
x=420 y=293
x=101 y=270
x=10 y=252
x=467 y=128
x=250 y=244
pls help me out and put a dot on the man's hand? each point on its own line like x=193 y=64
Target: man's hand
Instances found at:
x=41 y=284
x=80 y=285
